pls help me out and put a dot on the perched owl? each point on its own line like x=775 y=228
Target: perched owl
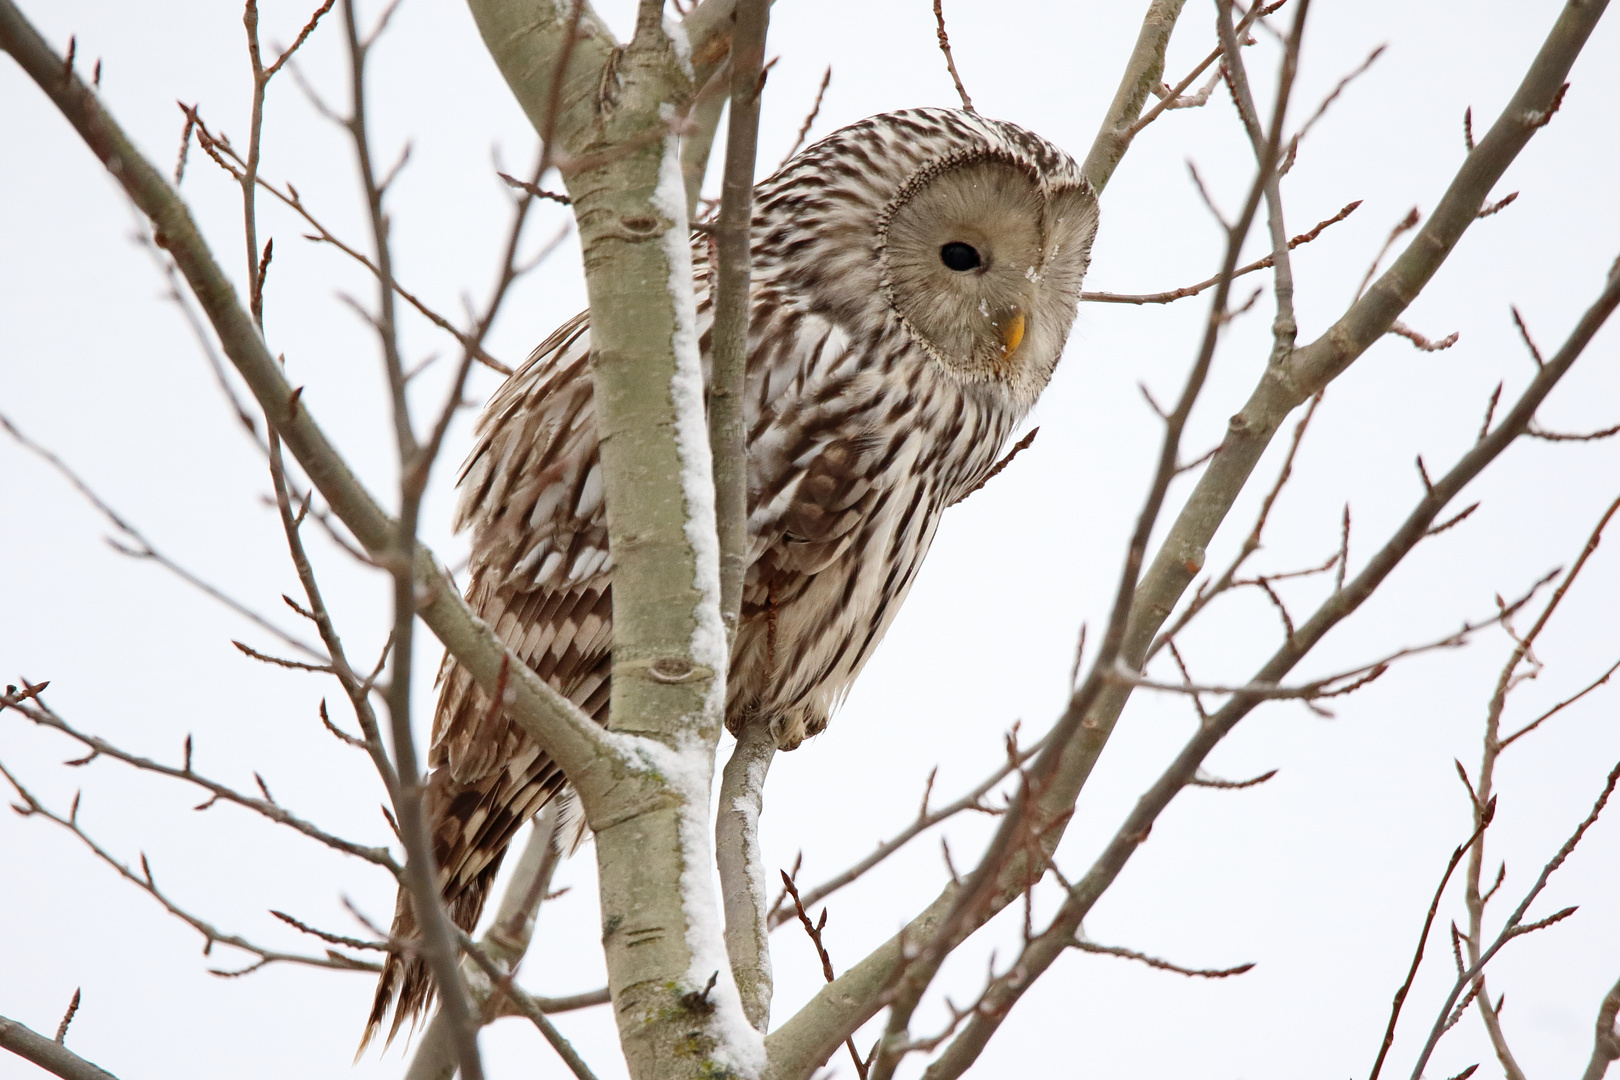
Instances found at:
x=914 y=279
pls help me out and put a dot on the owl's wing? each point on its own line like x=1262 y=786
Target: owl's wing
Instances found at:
x=531 y=494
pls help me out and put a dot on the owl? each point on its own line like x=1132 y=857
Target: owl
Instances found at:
x=914 y=279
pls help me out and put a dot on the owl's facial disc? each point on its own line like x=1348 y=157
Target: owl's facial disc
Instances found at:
x=984 y=268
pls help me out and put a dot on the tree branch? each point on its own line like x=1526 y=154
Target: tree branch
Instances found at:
x=144 y=548
x=980 y=891
x=51 y=1056
x=40 y=714
x=926 y=819
x=742 y=869
x=1193 y=290
x=1606 y=1042
x=1484 y=796
x=1143 y=72
x=728 y=334
x=1515 y=926
x=145 y=881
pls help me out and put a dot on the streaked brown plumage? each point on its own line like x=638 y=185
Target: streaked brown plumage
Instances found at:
x=915 y=277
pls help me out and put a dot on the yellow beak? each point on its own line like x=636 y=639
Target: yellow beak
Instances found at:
x=1012 y=333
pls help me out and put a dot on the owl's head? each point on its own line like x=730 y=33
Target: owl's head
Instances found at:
x=968 y=236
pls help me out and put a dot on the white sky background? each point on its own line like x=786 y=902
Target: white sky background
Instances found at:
x=1320 y=876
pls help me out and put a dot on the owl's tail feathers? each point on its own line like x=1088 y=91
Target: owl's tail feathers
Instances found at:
x=406 y=984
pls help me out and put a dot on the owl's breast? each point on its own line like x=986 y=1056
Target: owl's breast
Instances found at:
x=851 y=462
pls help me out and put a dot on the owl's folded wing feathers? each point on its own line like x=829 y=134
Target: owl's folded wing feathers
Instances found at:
x=531 y=494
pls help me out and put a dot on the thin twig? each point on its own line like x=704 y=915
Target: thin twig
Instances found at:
x=1426 y=344
x=144 y=549
x=1422 y=942
x=1193 y=290
x=144 y=880
x=1006 y=459
x=1515 y=927
x=45 y=717
x=1173 y=94
x=67 y=1017
x=1251 y=543
x=956 y=80
x=925 y=820
x=814 y=932
x=527 y=1007
x=1572 y=699
x=810 y=118
x=1163 y=965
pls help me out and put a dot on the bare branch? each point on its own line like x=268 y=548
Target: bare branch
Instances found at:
x=1524 y=333
x=303 y=35
x=1202 y=779
x=226 y=157
x=1427 y=345
x=741 y=865
x=1333 y=95
x=1405 y=225
x=53 y=1057
x=45 y=717
x=956 y=80
x=1144 y=70
x=813 y=930
x=1284 y=328
x=926 y=819
x=1006 y=459
x=1193 y=290
x=1171 y=97
x=526 y=1007
x=1423 y=938
x=67 y=1017
x=1538 y=721
x=1498 y=205
x=1514 y=927
x=535 y=189
x=1154 y=962
x=144 y=880
x=1559 y=436
x=1606 y=1042
x=810 y=118
x=1251 y=543
x=143 y=548
x=729 y=331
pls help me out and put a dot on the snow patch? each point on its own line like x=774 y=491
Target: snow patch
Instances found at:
x=691 y=427
x=688 y=770
x=683 y=44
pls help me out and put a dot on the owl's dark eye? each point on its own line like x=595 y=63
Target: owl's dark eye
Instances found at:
x=959 y=256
